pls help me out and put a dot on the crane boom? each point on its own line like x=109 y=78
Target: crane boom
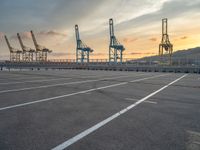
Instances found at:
x=28 y=53
x=111 y=28
x=35 y=41
x=41 y=52
x=8 y=43
x=15 y=54
x=115 y=48
x=82 y=50
x=77 y=32
x=78 y=41
x=21 y=43
x=24 y=48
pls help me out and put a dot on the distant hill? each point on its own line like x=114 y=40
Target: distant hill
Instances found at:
x=192 y=53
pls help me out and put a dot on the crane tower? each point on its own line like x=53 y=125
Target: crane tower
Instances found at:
x=27 y=53
x=82 y=50
x=41 y=51
x=165 y=44
x=15 y=54
x=115 y=48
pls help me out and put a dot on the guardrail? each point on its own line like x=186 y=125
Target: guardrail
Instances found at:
x=125 y=66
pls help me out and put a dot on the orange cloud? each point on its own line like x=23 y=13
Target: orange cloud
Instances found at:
x=24 y=36
x=138 y=53
x=52 y=33
x=125 y=40
x=181 y=40
x=98 y=54
x=184 y=37
x=153 y=39
x=129 y=40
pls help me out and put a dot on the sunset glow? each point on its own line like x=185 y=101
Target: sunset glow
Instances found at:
x=137 y=25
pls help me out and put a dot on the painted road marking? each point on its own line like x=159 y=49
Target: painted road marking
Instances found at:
x=76 y=93
x=131 y=99
x=104 y=122
x=62 y=84
x=43 y=80
x=40 y=76
x=17 y=82
x=43 y=76
x=23 y=78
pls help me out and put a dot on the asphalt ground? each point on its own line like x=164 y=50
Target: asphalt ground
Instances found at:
x=99 y=110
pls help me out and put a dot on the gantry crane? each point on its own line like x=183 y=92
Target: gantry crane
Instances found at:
x=15 y=54
x=165 y=44
x=27 y=53
x=82 y=50
x=115 y=48
x=41 y=51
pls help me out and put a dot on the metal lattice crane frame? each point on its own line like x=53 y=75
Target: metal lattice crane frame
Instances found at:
x=27 y=53
x=41 y=51
x=15 y=54
x=82 y=50
x=165 y=45
x=115 y=48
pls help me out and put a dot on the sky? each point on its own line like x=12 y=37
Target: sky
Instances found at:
x=137 y=25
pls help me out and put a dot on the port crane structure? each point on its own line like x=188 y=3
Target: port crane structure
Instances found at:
x=165 y=46
x=115 y=48
x=15 y=54
x=27 y=53
x=41 y=51
x=82 y=50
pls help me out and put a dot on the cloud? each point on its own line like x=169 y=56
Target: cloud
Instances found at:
x=99 y=54
x=139 y=19
x=184 y=37
x=129 y=40
x=27 y=35
x=1 y=35
x=66 y=13
x=24 y=36
x=60 y=54
x=51 y=33
x=170 y=9
x=141 y=53
x=153 y=39
x=63 y=14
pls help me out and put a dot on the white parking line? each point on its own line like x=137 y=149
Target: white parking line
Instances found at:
x=76 y=93
x=43 y=80
x=17 y=82
x=62 y=84
x=45 y=76
x=104 y=122
x=40 y=77
x=131 y=99
x=22 y=78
